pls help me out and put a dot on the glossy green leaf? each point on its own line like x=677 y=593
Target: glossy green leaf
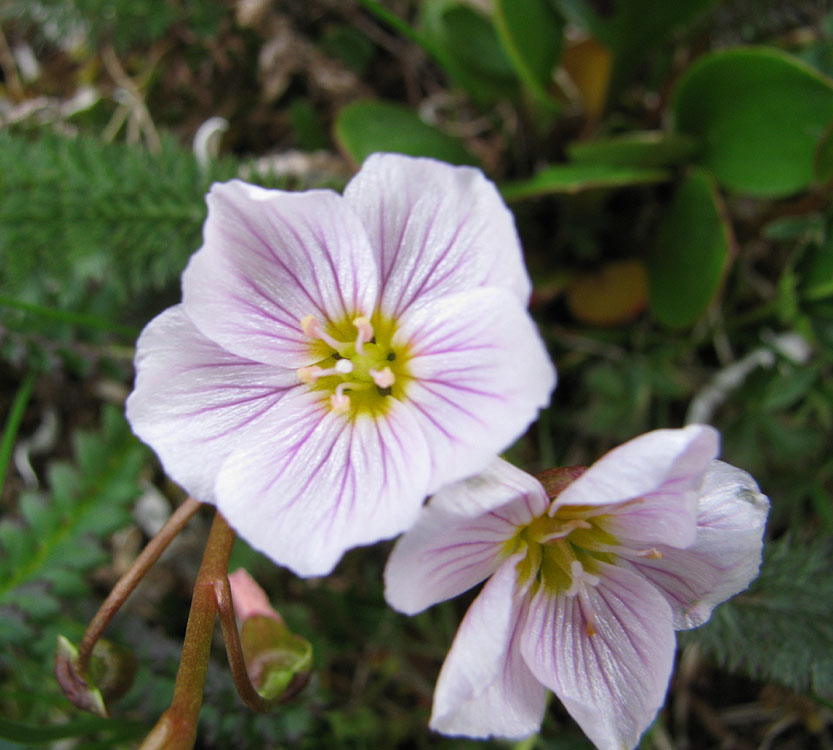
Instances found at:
x=637 y=149
x=691 y=252
x=758 y=115
x=367 y=126
x=574 y=178
x=532 y=34
x=470 y=51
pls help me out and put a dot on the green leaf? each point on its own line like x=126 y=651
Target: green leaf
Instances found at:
x=823 y=163
x=574 y=178
x=366 y=126
x=471 y=52
x=781 y=629
x=532 y=34
x=637 y=149
x=692 y=249
x=758 y=115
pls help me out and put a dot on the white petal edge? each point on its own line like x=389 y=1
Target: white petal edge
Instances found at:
x=661 y=471
x=614 y=681
x=270 y=258
x=480 y=373
x=485 y=688
x=438 y=229
x=460 y=538
x=313 y=484
x=726 y=556
x=194 y=402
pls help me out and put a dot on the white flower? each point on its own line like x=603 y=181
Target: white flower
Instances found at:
x=335 y=359
x=589 y=574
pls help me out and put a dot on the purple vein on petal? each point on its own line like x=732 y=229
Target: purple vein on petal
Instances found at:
x=438 y=260
x=281 y=263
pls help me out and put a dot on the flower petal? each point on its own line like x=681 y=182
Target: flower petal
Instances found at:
x=194 y=402
x=460 y=537
x=480 y=372
x=269 y=259
x=663 y=471
x=612 y=682
x=726 y=556
x=437 y=229
x=312 y=483
x=485 y=687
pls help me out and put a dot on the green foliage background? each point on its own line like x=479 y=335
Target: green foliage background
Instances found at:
x=724 y=206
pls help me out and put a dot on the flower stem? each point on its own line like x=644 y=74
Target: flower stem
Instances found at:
x=177 y=727
x=128 y=582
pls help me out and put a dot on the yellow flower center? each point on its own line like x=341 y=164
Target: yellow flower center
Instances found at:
x=359 y=369
x=564 y=551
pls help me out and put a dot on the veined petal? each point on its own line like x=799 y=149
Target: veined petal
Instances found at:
x=661 y=473
x=726 y=556
x=480 y=373
x=269 y=259
x=194 y=402
x=502 y=487
x=312 y=483
x=437 y=229
x=607 y=654
x=460 y=537
x=485 y=688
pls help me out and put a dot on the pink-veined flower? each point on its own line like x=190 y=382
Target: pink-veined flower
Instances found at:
x=335 y=358
x=589 y=574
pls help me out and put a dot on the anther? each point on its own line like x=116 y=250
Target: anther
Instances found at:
x=650 y=554
x=365 y=333
x=384 y=378
x=343 y=367
x=309 y=374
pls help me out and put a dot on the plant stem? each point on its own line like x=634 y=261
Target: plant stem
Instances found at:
x=21 y=399
x=177 y=727
x=67 y=316
x=396 y=23
x=128 y=582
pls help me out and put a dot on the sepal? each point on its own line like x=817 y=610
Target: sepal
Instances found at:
x=107 y=678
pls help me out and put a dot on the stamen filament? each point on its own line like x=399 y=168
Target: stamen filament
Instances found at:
x=310 y=374
x=340 y=401
x=312 y=328
x=365 y=333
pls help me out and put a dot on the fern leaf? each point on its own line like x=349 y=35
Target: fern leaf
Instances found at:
x=781 y=629
x=46 y=552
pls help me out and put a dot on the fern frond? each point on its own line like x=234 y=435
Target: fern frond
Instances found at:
x=46 y=551
x=781 y=629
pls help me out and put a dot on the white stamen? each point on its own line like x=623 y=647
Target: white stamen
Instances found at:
x=313 y=372
x=383 y=378
x=309 y=374
x=312 y=328
x=565 y=530
x=580 y=577
x=365 y=333
x=340 y=401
